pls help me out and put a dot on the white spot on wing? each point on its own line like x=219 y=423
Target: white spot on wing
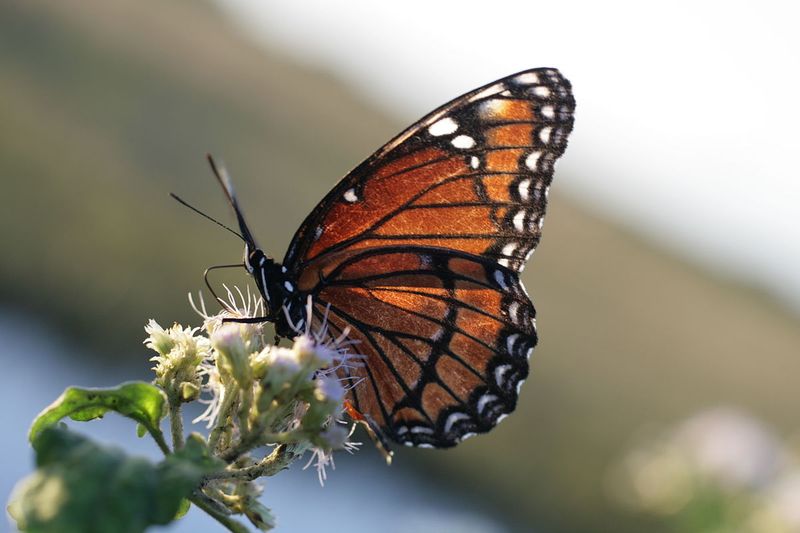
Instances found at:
x=422 y=429
x=519 y=385
x=528 y=78
x=463 y=142
x=533 y=159
x=452 y=419
x=350 y=195
x=508 y=249
x=474 y=162
x=548 y=111
x=485 y=399
x=542 y=91
x=289 y=286
x=501 y=418
x=524 y=189
x=519 y=221
x=510 y=343
x=499 y=374
x=544 y=134
x=446 y=126
x=425 y=445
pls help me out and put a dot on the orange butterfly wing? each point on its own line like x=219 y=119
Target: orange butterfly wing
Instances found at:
x=417 y=251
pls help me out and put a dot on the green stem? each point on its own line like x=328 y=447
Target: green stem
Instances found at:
x=176 y=422
x=226 y=521
x=224 y=419
x=244 y=410
x=280 y=459
x=158 y=436
x=256 y=439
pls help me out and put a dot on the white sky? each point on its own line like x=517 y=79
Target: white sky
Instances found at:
x=687 y=112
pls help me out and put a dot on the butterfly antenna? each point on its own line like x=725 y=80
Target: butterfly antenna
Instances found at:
x=222 y=302
x=227 y=186
x=215 y=221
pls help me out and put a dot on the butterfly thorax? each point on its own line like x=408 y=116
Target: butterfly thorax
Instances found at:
x=282 y=305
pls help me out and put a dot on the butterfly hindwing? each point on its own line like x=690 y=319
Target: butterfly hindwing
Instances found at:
x=446 y=338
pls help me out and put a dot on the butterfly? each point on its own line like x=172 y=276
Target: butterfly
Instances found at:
x=417 y=253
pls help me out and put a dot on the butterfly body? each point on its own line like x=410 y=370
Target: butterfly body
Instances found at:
x=417 y=254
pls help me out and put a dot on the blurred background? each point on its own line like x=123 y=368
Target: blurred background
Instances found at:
x=663 y=395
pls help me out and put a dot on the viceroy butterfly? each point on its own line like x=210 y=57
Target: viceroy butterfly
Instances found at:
x=418 y=251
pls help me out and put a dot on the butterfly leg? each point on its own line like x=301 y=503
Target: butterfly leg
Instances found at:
x=374 y=432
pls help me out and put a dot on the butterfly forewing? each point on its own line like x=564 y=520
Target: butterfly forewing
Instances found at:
x=471 y=176
x=417 y=251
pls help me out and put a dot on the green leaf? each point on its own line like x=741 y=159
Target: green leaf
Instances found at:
x=183 y=508
x=80 y=486
x=140 y=401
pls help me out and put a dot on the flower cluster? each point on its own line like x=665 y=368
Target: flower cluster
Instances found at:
x=262 y=400
x=720 y=470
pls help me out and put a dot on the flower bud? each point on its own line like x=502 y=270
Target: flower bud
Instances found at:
x=326 y=400
x=189 y=391
x=311 y=353
x=233 y=359
x=282 y=366
x=329 y=391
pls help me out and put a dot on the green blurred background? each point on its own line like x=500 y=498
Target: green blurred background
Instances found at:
x=109 y=106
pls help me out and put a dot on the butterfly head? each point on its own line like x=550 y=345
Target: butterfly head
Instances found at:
x=273 y=282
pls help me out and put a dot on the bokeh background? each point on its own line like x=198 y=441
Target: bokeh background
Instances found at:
x=664 y=393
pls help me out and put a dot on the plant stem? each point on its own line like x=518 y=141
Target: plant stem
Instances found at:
x=256 y=439
x=160 y=441
x=280 y=459
x=229 y=523
x=224 y=419
x=176 y=422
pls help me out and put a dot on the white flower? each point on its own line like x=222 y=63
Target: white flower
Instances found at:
x=329 y=390
x=280 y=365
x=233 y=356
x=180 y=354
x=158 y=339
